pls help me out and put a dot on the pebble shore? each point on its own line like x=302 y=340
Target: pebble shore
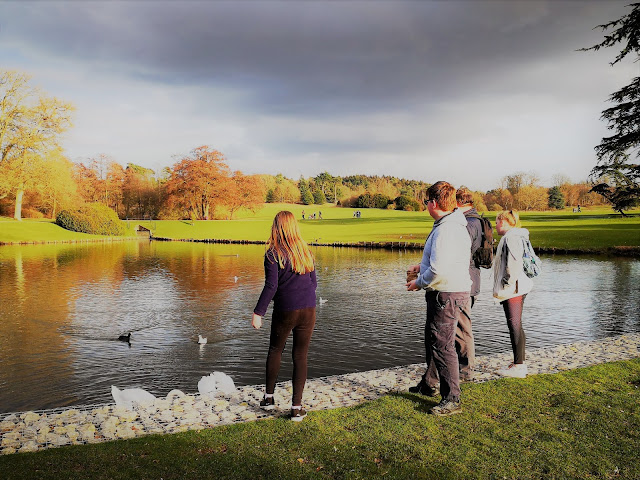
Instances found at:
x=179 y=412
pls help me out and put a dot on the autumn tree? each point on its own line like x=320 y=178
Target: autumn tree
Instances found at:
x=199 y=182
x=30 y=126
x=58 y=188
x=531 y=197
x=139 y=193
x=244 y=191
x=114 y=186
x=498 y=199
x=87 y=182
x=617 y=175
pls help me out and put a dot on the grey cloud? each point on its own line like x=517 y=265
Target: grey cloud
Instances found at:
x=298 y=57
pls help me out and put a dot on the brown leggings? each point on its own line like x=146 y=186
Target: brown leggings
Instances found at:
x=301 y=322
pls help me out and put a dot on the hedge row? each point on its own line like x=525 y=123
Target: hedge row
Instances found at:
x=94 y=218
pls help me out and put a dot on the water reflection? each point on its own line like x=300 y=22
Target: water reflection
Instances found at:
x=63 y=308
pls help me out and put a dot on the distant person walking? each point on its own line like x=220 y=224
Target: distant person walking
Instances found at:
x=444 y=273
x=290 y=280
x=511 y=285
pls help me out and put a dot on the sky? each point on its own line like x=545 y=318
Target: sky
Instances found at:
x=464 y=91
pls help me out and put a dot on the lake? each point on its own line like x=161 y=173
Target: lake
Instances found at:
x=62 y=308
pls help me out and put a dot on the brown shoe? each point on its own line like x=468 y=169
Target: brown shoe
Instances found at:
x=446 y=408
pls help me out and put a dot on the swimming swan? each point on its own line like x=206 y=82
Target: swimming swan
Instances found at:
x=202 y=340
x=125 y=338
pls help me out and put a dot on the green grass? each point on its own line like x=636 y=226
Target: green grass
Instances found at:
x=593 y=229
x=578 y=424
x=41 y=230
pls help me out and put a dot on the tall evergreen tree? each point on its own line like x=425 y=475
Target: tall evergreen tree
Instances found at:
x=556 y=198
x=617 y=175
x=305 y=193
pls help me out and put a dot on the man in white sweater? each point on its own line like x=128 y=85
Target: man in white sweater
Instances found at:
x=444 y=274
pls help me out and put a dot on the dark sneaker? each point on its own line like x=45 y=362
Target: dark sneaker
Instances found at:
x=423 y=389
x=445 y=408
x=297 y=414
x=268 y=403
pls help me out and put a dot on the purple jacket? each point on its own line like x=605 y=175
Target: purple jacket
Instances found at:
x=289 y=290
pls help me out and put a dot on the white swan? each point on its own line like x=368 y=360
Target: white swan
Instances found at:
x=175 y=393
x=235 y=279
x=202 y=340
x=217 y=382
x=131 y=396
x=323 y=301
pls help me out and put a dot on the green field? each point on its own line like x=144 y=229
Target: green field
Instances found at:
x=577 y=424
x=593 y=229
x=42 y=230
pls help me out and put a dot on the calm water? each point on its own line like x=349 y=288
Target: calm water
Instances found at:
x=63 y=307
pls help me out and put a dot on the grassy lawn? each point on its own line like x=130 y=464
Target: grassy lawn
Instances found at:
x=578 y=424
x=41 y=230
x=592 y=229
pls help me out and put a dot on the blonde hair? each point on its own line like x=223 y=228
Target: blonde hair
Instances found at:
x=511 y=217
x=286 y=243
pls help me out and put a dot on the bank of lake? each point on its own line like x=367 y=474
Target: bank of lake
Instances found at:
x=594 y=230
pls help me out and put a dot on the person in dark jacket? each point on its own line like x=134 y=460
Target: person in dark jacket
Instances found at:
x=290 y=281
x=464 y=334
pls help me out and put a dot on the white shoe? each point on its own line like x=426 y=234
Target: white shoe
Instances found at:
x=516 y=370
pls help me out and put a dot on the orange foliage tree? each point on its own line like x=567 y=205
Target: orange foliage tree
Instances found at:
x=87 y=182
x=245 y=191
x=199 y=183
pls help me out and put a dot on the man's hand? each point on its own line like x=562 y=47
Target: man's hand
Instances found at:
x=411 y=286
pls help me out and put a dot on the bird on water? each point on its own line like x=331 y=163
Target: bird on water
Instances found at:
x=125 y=338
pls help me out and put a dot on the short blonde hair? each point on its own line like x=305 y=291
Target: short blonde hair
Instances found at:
x=444 y=195
x=511 y=217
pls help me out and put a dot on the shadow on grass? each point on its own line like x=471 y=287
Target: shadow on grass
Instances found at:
x=422 y=403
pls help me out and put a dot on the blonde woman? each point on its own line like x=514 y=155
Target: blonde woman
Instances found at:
x=290 y=281
x=511 y=285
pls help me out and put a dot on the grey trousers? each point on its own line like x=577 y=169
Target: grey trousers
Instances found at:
x=465 y=348
x=444 y=311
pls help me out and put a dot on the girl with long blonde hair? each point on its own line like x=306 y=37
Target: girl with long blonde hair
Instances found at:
x=290 y=281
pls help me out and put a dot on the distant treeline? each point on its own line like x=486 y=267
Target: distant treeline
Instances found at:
x=201 y=185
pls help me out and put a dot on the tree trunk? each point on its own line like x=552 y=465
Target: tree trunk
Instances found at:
x=53 y=211
x=17 y=214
